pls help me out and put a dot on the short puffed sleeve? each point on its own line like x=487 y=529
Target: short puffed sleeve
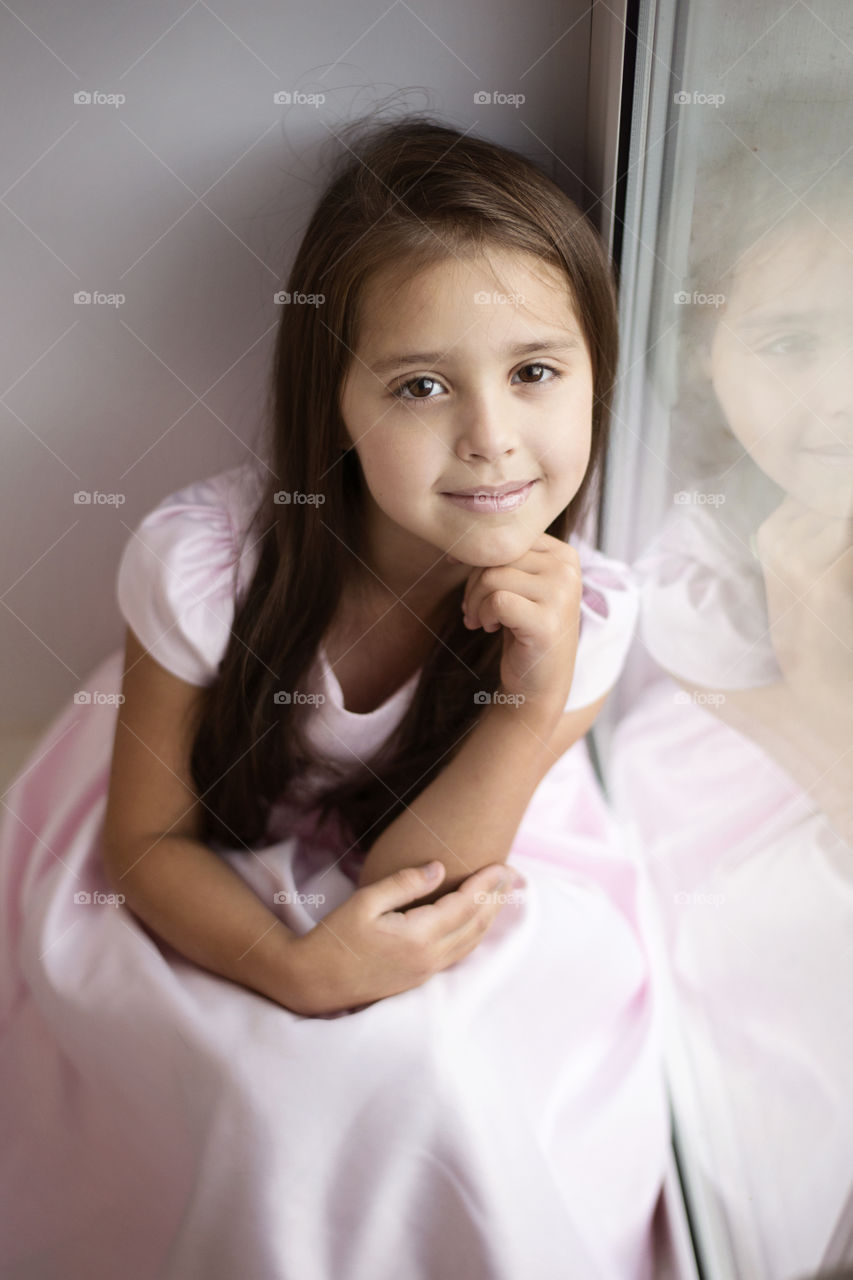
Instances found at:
x=608 y=618
x=179 y=574
x=703 y=607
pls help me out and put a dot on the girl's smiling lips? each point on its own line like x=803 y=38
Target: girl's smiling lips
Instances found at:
x=511 y=486
x=837 y=449
x=486 y=502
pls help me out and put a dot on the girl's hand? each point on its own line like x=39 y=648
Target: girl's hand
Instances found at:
x=807 y=559
x=536 y=599
x=367 y=949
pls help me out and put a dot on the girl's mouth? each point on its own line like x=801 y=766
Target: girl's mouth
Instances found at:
x=489 y=503
x=829 y=451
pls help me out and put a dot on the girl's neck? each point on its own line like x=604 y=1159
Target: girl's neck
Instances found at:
x=397 y=566
x=372 y=598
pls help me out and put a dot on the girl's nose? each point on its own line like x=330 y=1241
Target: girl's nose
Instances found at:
x=832 y=394
x=485 y=432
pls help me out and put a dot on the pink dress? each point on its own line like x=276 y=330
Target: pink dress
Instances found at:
x=506 y=1120
x=753 y=892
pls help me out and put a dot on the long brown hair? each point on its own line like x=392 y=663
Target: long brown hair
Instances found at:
x=413 y=191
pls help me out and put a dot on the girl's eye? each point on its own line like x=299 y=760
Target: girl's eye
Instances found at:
x=398 y=392
x=790 y=344
x=413 y=382
x=542 y=366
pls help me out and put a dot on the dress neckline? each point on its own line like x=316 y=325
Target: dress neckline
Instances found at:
x=337 y=693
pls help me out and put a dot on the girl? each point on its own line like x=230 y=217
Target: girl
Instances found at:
x=248 y=1030
x=747 y=601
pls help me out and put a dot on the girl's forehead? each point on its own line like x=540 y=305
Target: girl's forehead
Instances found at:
x=802 y=261
x=395 y=295
x=455 y=270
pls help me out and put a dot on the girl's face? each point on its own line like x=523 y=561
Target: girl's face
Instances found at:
x=781 y=364
x=441 y=397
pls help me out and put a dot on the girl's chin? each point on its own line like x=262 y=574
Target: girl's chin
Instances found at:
x=487 y=558
x=827 y=489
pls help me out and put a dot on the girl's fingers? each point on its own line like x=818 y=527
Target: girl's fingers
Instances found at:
x=534 y=561
x=471 y=932
x=530 y=586
x=458 y=913
x=522 y=616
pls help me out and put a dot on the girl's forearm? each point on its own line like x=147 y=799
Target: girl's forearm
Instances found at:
x=196 y=902
x=816 y=747
x=816 y=753
x=468 y=815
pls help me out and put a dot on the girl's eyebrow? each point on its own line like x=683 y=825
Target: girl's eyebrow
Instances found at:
x=762 y=320
x=569 y=342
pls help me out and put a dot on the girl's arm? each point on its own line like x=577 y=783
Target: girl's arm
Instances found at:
x=188 y=896
x=816 y=753
x=467 y=817
x=152 y=855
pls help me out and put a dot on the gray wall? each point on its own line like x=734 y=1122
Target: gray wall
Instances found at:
x=189 y=198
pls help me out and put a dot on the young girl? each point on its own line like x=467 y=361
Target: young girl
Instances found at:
x=247 y=1030
x=740 y=783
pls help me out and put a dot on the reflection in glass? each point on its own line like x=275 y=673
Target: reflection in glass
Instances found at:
x=736 y=768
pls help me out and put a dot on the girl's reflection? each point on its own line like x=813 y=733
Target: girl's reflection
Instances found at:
x=740 y=784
